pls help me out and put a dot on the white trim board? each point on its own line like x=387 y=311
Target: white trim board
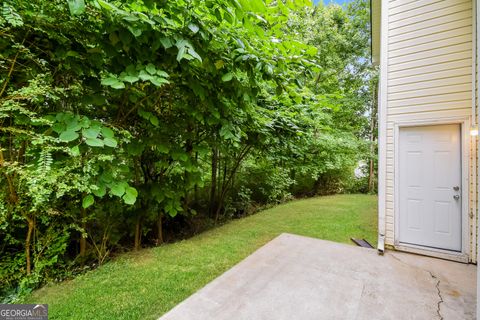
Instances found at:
x=382 y=125
x=474 y=173
x=465 y=156
x=431 y=252
x=477 y=43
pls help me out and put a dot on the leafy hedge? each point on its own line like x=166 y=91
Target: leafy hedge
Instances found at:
x=123 y=122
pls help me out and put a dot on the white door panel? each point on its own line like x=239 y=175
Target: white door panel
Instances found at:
x=429 y=170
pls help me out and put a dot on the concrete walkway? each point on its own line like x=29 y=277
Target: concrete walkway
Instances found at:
x=294 y=277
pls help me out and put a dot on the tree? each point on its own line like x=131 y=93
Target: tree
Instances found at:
x=118 y=118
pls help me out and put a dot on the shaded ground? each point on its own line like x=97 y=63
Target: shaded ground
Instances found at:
x=295 y=277
x=147 y=284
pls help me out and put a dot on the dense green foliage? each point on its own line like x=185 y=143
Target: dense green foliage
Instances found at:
x=150 y=282
x=128 y=122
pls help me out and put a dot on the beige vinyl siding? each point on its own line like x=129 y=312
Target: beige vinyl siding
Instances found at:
x=429 y=73
x=430 y=23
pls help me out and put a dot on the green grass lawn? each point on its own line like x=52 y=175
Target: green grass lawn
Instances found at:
x=148 y=283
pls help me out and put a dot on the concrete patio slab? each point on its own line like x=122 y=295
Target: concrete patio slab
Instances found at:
x=295 y=277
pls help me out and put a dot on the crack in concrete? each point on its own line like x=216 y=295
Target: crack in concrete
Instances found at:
x=439 y=293
x=437 y=286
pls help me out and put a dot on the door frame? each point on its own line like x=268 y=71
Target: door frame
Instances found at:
x=464 y=122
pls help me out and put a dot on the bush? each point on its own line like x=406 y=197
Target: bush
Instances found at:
x=266 y=183
x=121 y=118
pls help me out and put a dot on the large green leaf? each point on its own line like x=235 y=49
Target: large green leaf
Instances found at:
x=154 y=121
x=91 y=133
x=130 y=79
x=137 y=32
x=118 y=189
x=101 y=191
x=75 y=151
x=227 y=77
x=130 y=195
x=194 y=54
x=151 y=68
x=107 y=132
x=162 y=74
x=76 y=7
x=73 y=125
x=181 y=53
x=59 y=127
x=109 y=81
x=110 y=142
x=68 y=136
x=158 y=81
x=193 y=27
x=113 y=82
x=145 y=76
x=94 y=142
x=118 y=85
x=166 y=43
x=88 y=201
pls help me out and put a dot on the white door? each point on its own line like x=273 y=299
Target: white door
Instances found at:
x=430 y=203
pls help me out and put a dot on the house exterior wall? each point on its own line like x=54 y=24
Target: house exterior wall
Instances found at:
x=428 y=60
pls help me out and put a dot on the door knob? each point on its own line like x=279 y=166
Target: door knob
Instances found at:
x=456 y=197
x=456 y=188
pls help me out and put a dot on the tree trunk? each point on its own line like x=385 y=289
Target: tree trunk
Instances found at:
x=83 y=241
x=373 y=128
x=159 y=229
x=371 y=175
x=319 y=182
x=228 y=178
x=213 y=187
x=28 y=240
x=196 y=184
x=138 y=234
